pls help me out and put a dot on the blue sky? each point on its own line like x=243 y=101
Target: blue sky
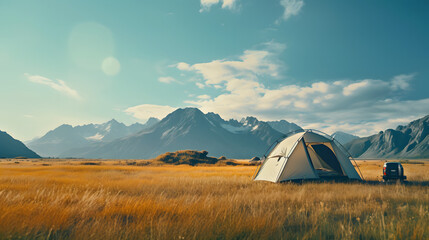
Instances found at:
x=358 y=66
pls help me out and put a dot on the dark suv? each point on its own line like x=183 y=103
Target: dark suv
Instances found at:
x=393 y=171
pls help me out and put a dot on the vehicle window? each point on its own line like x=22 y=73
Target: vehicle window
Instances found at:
x=391 y=167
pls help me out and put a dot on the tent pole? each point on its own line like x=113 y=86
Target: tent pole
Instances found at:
x=361 y=175
x=257 y=169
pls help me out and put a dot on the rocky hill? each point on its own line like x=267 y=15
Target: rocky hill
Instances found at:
x=410 y=141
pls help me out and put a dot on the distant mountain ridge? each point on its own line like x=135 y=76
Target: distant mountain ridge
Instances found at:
x=11 y=148
x=410 y=141
x=189 y=128
x=66 y=137
x=284 y=126
x=343 y=137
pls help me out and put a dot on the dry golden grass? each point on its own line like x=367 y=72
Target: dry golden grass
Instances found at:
x=64 y=199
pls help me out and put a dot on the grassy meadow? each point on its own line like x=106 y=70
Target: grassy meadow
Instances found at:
x=82 y=199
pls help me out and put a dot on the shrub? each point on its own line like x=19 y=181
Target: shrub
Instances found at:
x=231 y=163
x=189 y=157
x=143 y=163
x=90 y=163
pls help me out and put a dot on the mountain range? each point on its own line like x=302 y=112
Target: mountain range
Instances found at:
x=283 y=126
x=187 y=128
x=190 y=128
x=66 y=137
x=11 y=148
x=343 y=137
x=410 y=141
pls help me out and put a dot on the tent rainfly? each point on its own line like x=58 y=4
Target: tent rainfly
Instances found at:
x=307 y=155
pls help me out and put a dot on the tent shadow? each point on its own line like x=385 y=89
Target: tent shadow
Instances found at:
x=363 y=182
x=323 y=181
x=405 y=183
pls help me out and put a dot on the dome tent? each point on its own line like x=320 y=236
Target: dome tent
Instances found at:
x=308 y=154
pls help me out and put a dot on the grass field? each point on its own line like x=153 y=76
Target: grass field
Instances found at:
x=71 y=199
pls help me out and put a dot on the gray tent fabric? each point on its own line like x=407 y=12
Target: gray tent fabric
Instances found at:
x=306 y=155
x=276 y=160
x=346 y=164
x=298 y=166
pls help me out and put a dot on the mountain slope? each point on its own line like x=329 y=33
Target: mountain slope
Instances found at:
x=67 y=137
x=343 y=137
x=189 y=128
x=284 y=126
x=10 y=148
x=410 y=141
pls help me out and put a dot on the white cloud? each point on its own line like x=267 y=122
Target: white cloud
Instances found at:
x=205 y=96
x=402 y=81
x=145 y=111
x=350 y=89
x=251 y=64
x=200 y=85
x=168 y=80
x=291 y=8
x=58 y=85
x=362 y=106
x=370 y=120
x=183 y=66
x=226 y=4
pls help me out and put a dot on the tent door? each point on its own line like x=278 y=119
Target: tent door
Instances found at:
x=324 y=160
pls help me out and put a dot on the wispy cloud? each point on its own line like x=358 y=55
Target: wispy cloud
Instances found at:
x=402 y=81
x=145 y=111
x=226 y=4
x=200 y=85
x=205 y=96
x=168 y=80
x=361 y=106
x=250 y=65
x=58 y=85
x=291 y=8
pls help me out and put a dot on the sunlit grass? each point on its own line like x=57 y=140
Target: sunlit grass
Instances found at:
x=115 y=200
